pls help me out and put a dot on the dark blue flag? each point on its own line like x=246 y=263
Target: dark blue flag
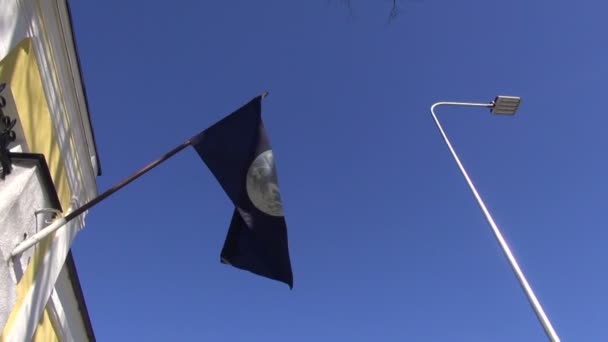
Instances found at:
x=237 y=151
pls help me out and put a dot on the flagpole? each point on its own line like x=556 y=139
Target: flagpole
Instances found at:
x=523 y=282
x=34 y=239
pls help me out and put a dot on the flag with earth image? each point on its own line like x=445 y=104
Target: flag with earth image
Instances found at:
x=238 y=153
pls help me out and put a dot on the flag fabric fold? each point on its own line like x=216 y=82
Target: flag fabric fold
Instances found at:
x=238 y=153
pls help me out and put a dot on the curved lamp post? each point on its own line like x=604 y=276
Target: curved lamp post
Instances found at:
x=502 y=105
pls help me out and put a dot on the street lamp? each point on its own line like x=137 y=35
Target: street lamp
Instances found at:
x=502 y=105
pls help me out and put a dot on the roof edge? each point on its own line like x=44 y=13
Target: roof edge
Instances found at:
x=82 y=305
x=84 y=88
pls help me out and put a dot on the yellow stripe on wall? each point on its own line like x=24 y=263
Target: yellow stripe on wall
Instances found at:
x=45 y=331
x=20 y=71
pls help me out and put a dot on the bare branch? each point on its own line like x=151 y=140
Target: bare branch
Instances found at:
x=394 y=11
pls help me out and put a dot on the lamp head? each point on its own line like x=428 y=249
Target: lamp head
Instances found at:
x=505 y=105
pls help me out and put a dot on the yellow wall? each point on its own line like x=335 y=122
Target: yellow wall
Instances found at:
x=45 y=331
x=20 y=71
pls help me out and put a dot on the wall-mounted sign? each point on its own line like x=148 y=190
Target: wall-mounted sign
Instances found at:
x=7 y=134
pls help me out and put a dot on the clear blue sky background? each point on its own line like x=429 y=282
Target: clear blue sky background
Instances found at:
x=386 y=240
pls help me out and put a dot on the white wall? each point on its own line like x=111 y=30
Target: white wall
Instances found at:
x=39 y=20
x=21 y=194
x=62 y=84
x=71 y=319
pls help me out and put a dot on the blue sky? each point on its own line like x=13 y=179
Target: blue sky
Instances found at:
x=386 y=240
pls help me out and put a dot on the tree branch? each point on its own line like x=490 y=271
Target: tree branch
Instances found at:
x=394 y=11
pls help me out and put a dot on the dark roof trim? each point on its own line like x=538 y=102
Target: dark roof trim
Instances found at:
x=82 y=305
x=84 y=89
x=47 y=182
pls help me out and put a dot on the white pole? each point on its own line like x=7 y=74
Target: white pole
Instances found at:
x=538 y=310
x=34 y=239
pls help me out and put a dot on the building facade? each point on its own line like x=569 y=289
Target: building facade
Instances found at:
x=49 y=164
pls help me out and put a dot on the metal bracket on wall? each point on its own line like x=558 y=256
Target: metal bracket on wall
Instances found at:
x=7 y=136
x=45 y=216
